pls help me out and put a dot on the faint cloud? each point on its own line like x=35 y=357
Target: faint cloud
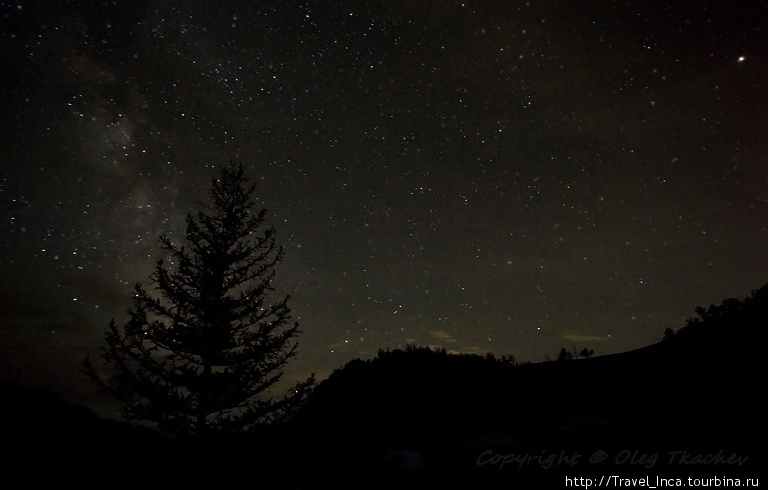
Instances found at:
x=585 y=338
x=442 y=336
x=471 y=349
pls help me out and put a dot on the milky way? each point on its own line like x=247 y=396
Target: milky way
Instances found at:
x=501 y=177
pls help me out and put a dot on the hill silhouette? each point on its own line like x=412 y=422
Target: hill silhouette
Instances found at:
x=420 y=416
x=48 y=439
x=697 y=390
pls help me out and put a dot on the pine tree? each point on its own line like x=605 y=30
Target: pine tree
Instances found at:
x=202 y=353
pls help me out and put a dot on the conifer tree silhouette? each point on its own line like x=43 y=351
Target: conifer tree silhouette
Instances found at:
x=203 y=351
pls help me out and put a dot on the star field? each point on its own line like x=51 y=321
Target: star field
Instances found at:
x=500 y=177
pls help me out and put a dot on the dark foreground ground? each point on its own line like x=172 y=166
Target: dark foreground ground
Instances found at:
x=690 y=406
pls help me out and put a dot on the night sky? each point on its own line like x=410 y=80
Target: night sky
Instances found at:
x=509 y=177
